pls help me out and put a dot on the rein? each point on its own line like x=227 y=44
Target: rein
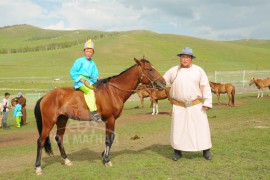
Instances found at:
x=135 y=90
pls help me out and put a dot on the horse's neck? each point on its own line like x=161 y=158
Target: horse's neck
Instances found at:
x=259 y=82
x=126 y=83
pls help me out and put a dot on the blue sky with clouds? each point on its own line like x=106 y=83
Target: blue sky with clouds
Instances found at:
x=207 y=19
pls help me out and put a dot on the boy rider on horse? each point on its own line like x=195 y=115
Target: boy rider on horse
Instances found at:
x=84 y=73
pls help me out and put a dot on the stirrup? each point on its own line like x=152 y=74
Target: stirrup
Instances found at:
x=96 y=117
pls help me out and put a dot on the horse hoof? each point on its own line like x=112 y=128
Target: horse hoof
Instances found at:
x=38 y=171
x=67 y=162
x=108 y=164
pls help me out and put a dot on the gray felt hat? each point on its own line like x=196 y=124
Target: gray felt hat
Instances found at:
x=187 y=51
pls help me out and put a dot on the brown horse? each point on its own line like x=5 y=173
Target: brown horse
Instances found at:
x=143 y=93
x=60 y=104
x=156 y=95
x=21 y=101
x=260 y=83
x=219 y=88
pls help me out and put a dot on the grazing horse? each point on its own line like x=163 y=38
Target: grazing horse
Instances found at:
x=143 y=93
x=156 y=95
x=219 y=88
x=260 y=83
x=60 y=104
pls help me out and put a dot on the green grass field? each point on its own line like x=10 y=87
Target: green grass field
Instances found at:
x=240 y=137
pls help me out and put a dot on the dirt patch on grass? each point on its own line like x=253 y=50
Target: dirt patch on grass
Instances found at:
x=30 y=137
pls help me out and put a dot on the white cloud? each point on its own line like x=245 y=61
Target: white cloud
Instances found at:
x=221 y=20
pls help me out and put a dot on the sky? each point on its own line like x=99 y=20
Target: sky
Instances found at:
x=206 y=19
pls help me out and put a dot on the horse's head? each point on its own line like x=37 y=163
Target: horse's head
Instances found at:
x=149 y=75
x=212 y=86
x=252 y=81
x=13 y=101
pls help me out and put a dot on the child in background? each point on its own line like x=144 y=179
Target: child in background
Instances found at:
x=18 y=113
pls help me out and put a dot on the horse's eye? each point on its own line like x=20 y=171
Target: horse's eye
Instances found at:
x=151 y=69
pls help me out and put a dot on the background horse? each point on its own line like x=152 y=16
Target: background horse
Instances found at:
x=21 y=101
x=260 y=83
x=156 y=95
x=143 y=93
x=60 y=104
x=219 y=88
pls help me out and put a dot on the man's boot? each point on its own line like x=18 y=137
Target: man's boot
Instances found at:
x=207 y=154
x=177 y=155
x=95 y=116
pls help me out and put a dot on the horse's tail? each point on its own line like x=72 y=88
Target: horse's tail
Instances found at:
x=47 y=145
x=233 y=93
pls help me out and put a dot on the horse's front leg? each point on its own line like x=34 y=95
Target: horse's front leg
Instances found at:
x=142 y=102
x=218 y=96
x=154 y=107
x=157 y=107
x=108 y=142
x=261 y=92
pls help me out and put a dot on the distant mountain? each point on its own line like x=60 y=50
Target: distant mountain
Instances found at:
x=115 y=50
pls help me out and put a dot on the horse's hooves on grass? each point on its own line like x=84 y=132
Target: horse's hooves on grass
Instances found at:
x=108 y=164
x=67 y=162
x=38 y=171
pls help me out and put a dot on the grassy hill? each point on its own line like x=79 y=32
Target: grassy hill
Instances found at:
x=114 y=52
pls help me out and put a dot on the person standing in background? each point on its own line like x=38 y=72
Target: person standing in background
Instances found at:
x=17 y=113
x=5 y=110
x=22 y=101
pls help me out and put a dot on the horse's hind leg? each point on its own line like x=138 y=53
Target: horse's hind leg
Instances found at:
x=259 y=93
x=38 y=158
x=61 y=127
x=43 y=142
x=229 y=99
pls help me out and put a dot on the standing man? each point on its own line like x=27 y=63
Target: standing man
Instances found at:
x=191 y=98
x=5 y=110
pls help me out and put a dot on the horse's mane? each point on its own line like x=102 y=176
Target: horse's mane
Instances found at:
x=215 y=82
x=101 y=82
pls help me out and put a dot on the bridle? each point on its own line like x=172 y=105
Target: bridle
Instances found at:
x=151 y=81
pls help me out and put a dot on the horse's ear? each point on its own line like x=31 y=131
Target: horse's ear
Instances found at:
x=137 y=61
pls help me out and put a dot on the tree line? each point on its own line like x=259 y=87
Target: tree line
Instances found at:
x=55 y=45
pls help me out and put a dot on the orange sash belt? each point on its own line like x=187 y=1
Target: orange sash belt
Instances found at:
x=185 y=104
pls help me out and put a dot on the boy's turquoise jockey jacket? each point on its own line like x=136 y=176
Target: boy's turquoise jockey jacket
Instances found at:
x=85 y=68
